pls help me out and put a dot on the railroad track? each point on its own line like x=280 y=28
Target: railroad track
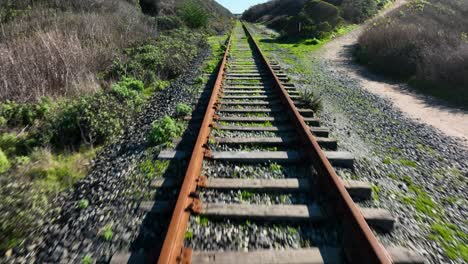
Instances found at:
x=258 y=139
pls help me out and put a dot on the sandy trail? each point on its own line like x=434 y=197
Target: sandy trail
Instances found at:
x=450 y=121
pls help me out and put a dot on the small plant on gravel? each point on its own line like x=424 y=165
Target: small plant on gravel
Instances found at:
x=183 y=110
x=276 y=168
x=87 y=260
x=188 y=234
x=83 y=204
x=245 y=195
x=107 y=232
x=4 y=163
x=165 y=130
x=408 y=163
x=311 y=100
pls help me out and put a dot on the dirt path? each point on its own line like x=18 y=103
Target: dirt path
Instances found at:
x=450 y=121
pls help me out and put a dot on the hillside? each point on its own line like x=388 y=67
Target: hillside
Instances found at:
x=311 y=18
x=217 y=13
x=424 y=43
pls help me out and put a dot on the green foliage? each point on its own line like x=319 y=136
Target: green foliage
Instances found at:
x=107 y=232
x=311 y=100
x=4 y=163
x=24 y=114
x=188 y=234
x=83 y=204
x=201 y=220
x=245 y=195
x=275 y=167
x=452 y=239
x=193 y=15
x=87 y=260
x=159 y=59
x=90 y=120
x=357 y=11
x=152 y=169
x=130 y=84
x=408 y=163
x=183 y=110
x=16 y=145
x=165 y=130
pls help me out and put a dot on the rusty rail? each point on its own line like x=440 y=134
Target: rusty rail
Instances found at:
x=361 y=246
x=172 y=250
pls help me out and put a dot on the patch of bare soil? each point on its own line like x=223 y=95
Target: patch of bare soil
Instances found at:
x=450 y=121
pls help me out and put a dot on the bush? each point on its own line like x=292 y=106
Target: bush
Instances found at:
x=90 y=119
x=193 y=15
x=422 y=42
x=164 y=131
x=128 y=89
x=183 y=110
x=14 y=145
x=357 y=11
x=24 y=114
x=159 y=59
x=168 y=22
x=316 y=19
x=4 y=163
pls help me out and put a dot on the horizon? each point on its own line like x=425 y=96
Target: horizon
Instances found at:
x=239 y=6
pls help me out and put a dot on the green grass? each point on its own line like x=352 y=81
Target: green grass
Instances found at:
x=188 y=234
x=153 y=169
x=452 y=238
x=88 y=259
x=376 y=192
x=107 y=232
x=83 y=204
x=245 y=195
x=301 y=48
x=408 y=163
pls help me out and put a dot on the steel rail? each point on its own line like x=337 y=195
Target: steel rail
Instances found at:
x=361 y=246
x=172 y=250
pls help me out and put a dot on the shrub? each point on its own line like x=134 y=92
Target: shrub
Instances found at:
x=159 y=59
x=311 y=100
x=4 y=163
x=164 y=131
x=128 y=89
x=422 y=42
x=357 y=11
x=183 y=110
x=90 y=119
x=24 y=114
x=168 y=22
x=193 y=15
x=16 y=145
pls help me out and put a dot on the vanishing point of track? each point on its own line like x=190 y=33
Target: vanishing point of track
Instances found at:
x=254 y=104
